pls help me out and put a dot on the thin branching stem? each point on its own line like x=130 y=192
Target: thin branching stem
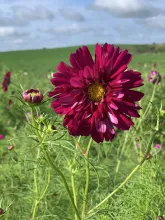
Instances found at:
x=48 y=159
x=92 y=211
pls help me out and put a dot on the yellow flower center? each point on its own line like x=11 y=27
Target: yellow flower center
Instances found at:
x=34 y=94
x=96 y=91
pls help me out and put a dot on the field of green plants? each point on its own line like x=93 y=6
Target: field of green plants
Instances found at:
x=31 y=189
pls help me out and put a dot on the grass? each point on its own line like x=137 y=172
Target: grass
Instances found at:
x=23 y=175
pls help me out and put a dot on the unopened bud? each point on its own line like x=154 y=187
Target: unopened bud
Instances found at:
x=160 y=218
x=148 y=156
x=1 y=211
x=10 y=147
x=33 y=96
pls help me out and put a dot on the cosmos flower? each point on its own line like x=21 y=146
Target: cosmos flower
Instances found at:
x=96 y=95
x=33 y=96
x=154 y=77
x=6 y=81
x=2 y=136
x=155 y=65
x=158 y=146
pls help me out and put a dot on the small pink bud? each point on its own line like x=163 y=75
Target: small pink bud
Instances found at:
x=158 y=146
x=2 y=136
x=10 y=147
x=33 y=96
x=160 y=218
x=148 y=156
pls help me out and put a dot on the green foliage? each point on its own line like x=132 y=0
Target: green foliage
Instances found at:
x=142 y=198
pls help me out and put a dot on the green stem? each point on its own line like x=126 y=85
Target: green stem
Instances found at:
x=87 y=178
x=34 y=124
x=91 y=212
x=46 y=187
x=15 y=84
x=74 y=192
x=148 y=107
x=120 y=155
x=41 y=140
x=48 y=159
x=34 y=209
x=35 y=186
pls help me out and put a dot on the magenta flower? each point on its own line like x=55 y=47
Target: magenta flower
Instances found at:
x=96 y=95
x=33 y=96
x=154 y=77
x=158 y=146
x=155 y=65
x=2 y=136
x=6 y=81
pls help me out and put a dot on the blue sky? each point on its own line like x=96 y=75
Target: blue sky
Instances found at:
x=36 y=24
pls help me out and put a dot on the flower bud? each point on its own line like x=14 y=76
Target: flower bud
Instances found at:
x=6 y=81
x=33 y=96
x=10 y=147
x=154 y=77
x=148 y=156
x=160 y=218
x=2 y=136
x=1 y=211
x=158 y=146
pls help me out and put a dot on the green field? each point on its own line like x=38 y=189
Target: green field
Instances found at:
x=25 y=175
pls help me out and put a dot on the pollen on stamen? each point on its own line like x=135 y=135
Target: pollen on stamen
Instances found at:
x=96 y=92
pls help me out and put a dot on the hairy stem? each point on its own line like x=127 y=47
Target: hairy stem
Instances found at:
x=49 y=161
x=148 y=107
x=87 y=178
x=74 y=192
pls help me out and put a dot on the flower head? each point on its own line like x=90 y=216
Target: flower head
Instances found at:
x=2 y=136
x=6 y=81
x=155 y=65
x=158 y=146
x=96 y=95
x=154 y=77
x=33 y=96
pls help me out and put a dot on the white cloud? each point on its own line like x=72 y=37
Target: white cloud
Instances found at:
x=18 y=41
x=126 y=8
x=155 y=22
x=71 y=14
x=72 y=29
x=7 y=31
x=23 y=13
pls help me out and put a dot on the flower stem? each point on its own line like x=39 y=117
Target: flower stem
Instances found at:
x=91 y=212
x=74 y=192
x=41 y=140
x=46 y=187
x=34 y=209
x=148 y=107
x=35 y=186
x=119 y=157
x=87 y=178
x=48 y=159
